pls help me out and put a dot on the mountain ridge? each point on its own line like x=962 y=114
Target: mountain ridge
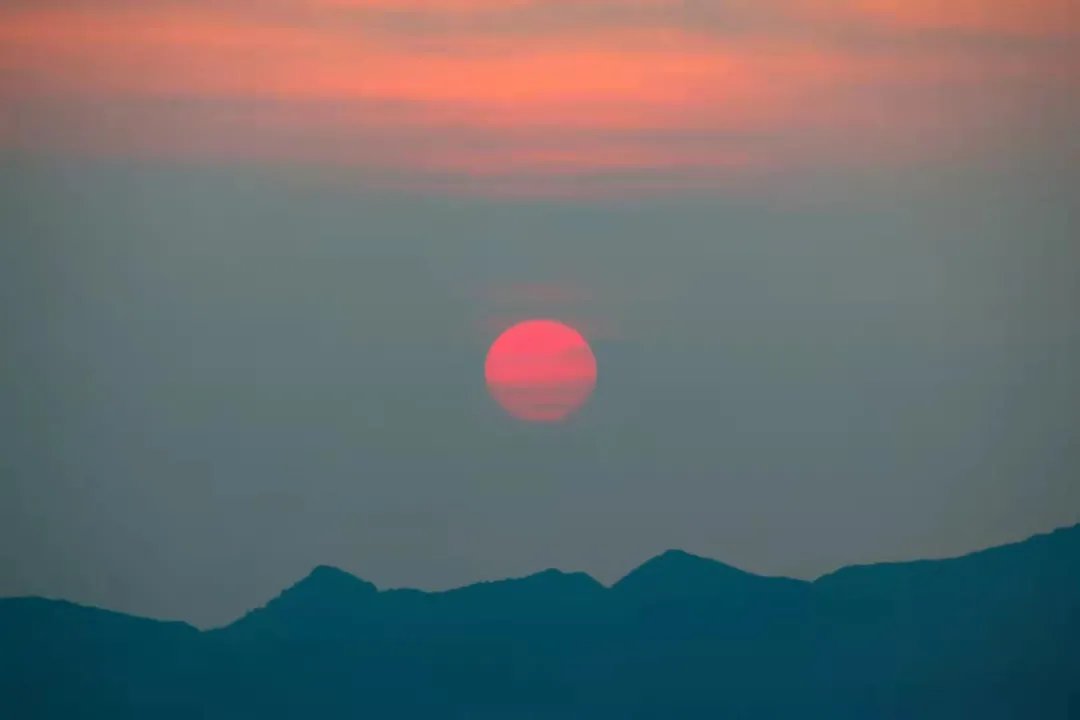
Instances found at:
x=323 y=571
x=989 y=635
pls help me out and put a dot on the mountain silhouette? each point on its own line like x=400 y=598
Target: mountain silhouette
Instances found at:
x=676 y=572
x=992 y=635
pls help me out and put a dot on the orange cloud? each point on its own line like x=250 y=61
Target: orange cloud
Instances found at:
x=653 y=100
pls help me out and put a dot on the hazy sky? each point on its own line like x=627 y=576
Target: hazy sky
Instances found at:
x=252 y=255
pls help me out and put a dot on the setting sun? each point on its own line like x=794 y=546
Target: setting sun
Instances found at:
x=540 y=370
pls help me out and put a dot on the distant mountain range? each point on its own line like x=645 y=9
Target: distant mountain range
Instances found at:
x=995 y=634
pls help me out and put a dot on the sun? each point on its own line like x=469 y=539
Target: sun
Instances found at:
x=540 y=370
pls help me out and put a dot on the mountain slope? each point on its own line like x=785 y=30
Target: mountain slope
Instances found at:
x=58 y=659
x=1003 y=621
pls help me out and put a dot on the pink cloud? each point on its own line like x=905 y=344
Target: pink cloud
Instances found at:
x=638 y=96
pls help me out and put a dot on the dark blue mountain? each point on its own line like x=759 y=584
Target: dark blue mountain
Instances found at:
x=60 y=660
x=991 y=635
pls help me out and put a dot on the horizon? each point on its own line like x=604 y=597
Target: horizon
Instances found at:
x=606 y=586
x=680 y=551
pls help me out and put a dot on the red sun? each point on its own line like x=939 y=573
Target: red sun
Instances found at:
x=540 y=370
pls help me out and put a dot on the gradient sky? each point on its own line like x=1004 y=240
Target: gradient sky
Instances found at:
x=253 y=253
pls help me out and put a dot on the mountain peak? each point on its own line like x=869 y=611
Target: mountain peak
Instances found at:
x=681 y=574
x=324 y=589
x=325 y=574
x=543 y=582
x=324 y=596
x=674 y=563
x=552 y=577
x=327 y=578
x=675 y=555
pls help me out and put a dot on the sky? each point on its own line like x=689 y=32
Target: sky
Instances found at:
x=253 y=254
